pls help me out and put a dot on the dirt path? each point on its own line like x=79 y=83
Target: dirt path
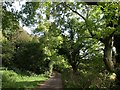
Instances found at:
x=54 y=83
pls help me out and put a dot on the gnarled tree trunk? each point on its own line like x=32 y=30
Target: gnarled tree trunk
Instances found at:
x=108 y=60
x=108 y=53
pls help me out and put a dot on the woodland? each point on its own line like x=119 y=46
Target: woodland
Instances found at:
x=80 y=40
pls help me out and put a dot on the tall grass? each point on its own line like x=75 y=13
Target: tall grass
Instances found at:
x=15 y=81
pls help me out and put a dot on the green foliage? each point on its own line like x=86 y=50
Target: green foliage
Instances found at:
x=30 y=56
x=29 y=9
x=7 y=53
x=61 y=64
x=89 y=75
x=66 y=29
x=8 y=79
x=11 y=80
x=9 y=22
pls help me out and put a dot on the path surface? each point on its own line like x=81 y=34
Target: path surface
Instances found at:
x=54 y=83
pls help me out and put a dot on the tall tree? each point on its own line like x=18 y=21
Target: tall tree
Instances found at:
x=99 y=21
x=75 y=46
x=101 y=25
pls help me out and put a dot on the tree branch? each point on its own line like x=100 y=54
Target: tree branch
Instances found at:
x=91 y=33
x=75 y=11
x=82 y=17
x=112 y=33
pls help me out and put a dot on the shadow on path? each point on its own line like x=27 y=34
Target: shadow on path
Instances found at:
x=54 y=83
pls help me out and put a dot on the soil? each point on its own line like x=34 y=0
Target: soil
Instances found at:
x=54 y=83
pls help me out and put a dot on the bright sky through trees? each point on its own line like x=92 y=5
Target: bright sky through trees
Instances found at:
x=18 y=6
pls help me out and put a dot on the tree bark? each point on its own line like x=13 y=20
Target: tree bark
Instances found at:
x=108 y=58
x=74 y=67
x=72 y=61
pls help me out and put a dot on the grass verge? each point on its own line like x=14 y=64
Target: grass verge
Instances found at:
x=14 y=81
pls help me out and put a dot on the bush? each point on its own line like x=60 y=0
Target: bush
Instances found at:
x=30 y=57
x=9 y=79
x=7 y=53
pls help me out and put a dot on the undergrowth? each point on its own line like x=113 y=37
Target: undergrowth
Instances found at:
x=88 y=76
x=12 y=80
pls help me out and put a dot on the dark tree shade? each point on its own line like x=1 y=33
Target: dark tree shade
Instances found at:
x=116 y=42
x=92 y=3
x=117 y=45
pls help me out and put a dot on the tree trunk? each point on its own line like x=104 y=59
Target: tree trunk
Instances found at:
x=108 y=58
x=74 y=61
x=73 y=64
x=74 y=67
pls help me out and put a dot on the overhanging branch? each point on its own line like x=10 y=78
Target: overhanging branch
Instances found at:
x=91 y=33
x=75 y=11
x=113 y=33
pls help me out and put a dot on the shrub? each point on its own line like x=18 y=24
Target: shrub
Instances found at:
x=9 y=79
x=30 y=57
x=7 y=53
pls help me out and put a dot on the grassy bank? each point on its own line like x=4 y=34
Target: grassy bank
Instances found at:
x=15 y=81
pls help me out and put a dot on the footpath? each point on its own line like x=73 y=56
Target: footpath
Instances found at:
x=54 y=83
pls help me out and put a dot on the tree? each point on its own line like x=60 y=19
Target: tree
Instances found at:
x=98 y=20
x=75 y=46
x=104 y=28
x=9 y=21
x=16 y=36
x=30 y=56
x=50 y=39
